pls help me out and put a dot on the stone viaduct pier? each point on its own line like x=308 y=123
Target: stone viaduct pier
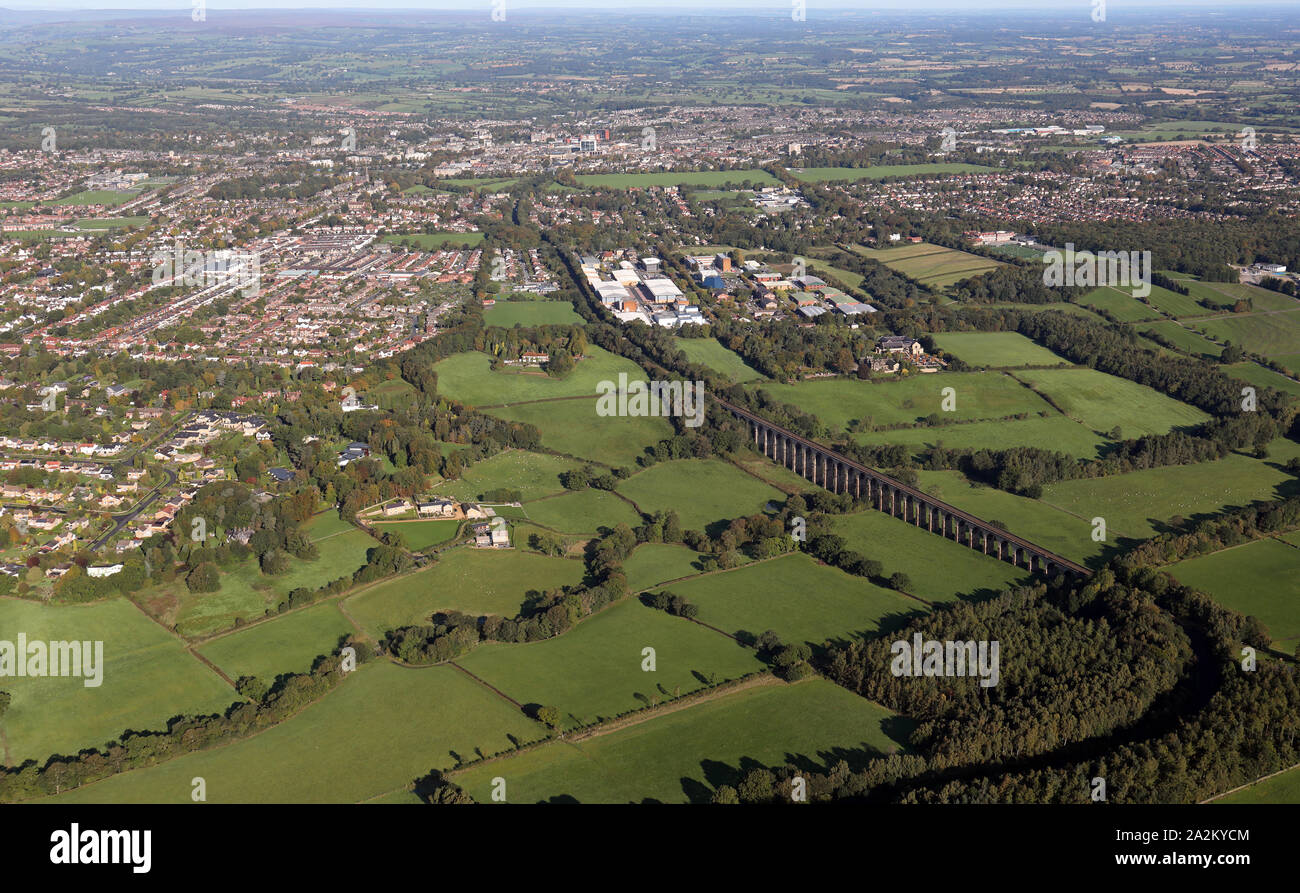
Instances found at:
x=826 y=468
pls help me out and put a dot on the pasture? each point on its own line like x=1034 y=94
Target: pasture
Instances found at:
x=978 y=395
x=1252 y=373
x=1267 y=334
x=701 y=491
x=1053 y=432
x=467 y=377
x=996 y=349
x=941 y=569
x=593 y=671
x=1260 y=578
x=932 y=265
x=421 y=535
x=1284 y=788
x=378 y=731
x=286 y=644
x=476 y=581
x=147 y=677
x=530 y=313
x=1182 y=338
x=435 y=241
x=651 y=564
x=1119 y=303
x=574 y=427
x=582 y=511
x=247 y=593
x=800 y=598
x=1050 y=527
x=686 y=755
x=1103 y=402
x=1138 y=503
x=709 y=352
x=532 y=474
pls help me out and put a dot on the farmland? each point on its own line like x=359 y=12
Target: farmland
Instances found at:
x=1138 y=504
x=583 y=511
x=468 y=377
x=708 y=352
x=1054 y=431
x=247 y=593
x=686 y=755
x=996 y=349
x=701 y=491
x=530 y=313
x=1103 y=402
x=575 y=428
x=979 y=395
x=285 y=644
x=940 y=570
x=802 y=600
x=476 y=581
x=381 y=729
x=932 y=265
x=1261 y=578
x=532 y=474
x=594 y=670
x=147 y=678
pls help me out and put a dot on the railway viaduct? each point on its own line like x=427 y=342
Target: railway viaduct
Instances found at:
x=826 y=468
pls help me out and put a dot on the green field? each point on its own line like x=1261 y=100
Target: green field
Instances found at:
x=880 y=171
x=147 y=678
x=582 y=511
x=932 y=265
x=681 y=178
x=686 y=755
x=1049 y=527
x=532 y=474
x=941 y=569
x=530 y=313
x=654 y=563
x=979 y=395
x=247 y=593
x=1174 y=304
x=110 y=222
x=701 y=491
x=107 y=197
x=476 y=581
x=1119 y=303
x=1183 y=338
x=1230 y=292
x=287 y=644
x=381 y=729
x=594 y=671
x=1053 y=432
x=1273 y=335
x=421 y=535
x=1103 y=401
x=436 y=241
x=996 y=349
x=1284 y=788
x=467 y=377
x=709 y=352
x=574 y=427
x=803 y=600
x=1257 y=375
x=1260 y=578
x=1135 y=504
